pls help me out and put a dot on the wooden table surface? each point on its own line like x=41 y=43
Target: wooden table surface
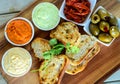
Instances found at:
x=105 y=61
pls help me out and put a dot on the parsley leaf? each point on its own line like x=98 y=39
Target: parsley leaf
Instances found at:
x=53 y=42
x=71 y=49
x=48 y=54
x=56 y=50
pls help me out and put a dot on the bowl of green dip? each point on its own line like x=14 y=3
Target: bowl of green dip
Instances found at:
x=45 y=16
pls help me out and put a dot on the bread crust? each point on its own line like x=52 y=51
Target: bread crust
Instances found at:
x=66 y=32
x=40 y=45
x=54 y=71
x=85 y=45
x=73 y=70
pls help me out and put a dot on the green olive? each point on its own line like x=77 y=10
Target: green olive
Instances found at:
x=105 y=37
x=104 y=15
x=113 y=20
x=104 y=26
x=95 y=18
x=114 y=31
x=94 y=29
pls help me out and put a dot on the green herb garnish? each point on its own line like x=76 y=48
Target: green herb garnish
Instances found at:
x=46 y=62
x=36 y=70
x=56 y=50
x=53 y=42
x=71 y=49
x=48 y=54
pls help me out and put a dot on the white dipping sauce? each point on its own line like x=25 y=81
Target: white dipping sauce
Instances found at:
x=16 y=62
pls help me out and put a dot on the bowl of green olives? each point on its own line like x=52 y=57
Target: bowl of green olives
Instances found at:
x=103 y=25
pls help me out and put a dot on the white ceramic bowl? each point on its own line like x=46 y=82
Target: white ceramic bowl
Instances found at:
x=86 y=28
x=16 y=44
x=62 y=15
x=16 y=62
x=45 y=16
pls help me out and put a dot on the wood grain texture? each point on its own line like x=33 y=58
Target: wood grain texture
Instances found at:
x=105 y=61
x=6 y=17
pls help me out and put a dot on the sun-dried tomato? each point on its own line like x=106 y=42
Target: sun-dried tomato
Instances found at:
x=77 y=10
x=70 y=2
x=81 y=8
x=86 y=4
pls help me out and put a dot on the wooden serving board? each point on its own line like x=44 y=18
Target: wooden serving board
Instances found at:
x=105 y=61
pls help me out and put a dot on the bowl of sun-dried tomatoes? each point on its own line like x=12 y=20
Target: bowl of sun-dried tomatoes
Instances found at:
x=77 y=11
